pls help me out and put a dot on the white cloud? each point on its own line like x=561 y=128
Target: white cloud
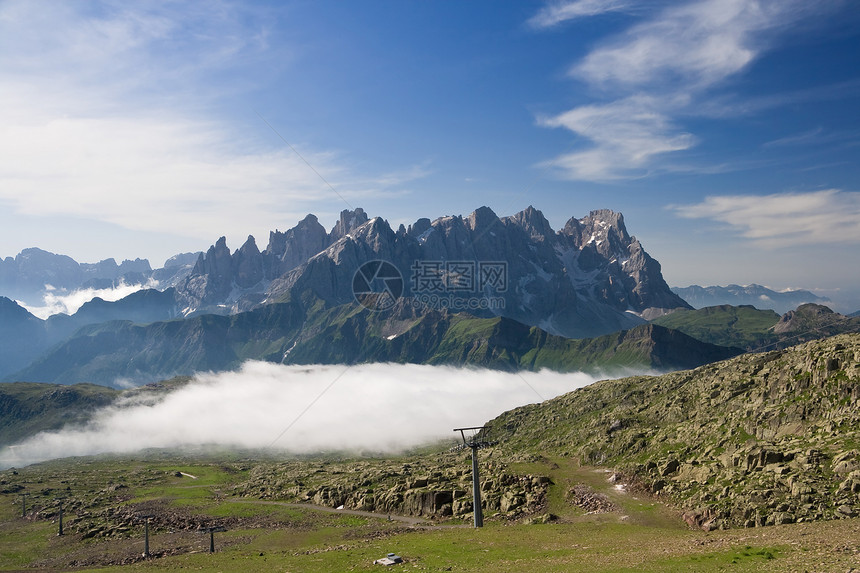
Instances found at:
x=798 y=139
x=785 y=219
x=657 y=73
x=697 y=43
x=557 y=12
x=111 y=113
x=376 y=407
x=625 y=135
x=62 y=302
x=156 y=173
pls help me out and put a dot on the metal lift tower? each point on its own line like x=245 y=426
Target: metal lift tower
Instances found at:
x=472 y=442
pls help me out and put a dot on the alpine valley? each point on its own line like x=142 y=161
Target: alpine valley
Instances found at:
x=748 y=418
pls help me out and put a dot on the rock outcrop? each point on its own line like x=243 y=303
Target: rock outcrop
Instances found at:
x=439 y=489
x=761 y=439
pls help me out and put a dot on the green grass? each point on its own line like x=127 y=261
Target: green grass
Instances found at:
x=185 y=490
x=585 y=547
x=740 y=326
x=267 y=536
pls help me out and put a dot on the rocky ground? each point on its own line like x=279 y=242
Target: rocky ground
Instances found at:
x=438 y=487
x=270 y=513
x=762 y=439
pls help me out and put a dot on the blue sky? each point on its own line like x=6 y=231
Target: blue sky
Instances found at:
x=726 y=131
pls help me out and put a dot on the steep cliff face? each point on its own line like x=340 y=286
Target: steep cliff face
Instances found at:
x=247 y=263
x=291 y=248
x=210 y=281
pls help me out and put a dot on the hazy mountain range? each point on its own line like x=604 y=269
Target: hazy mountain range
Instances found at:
x=753 y=295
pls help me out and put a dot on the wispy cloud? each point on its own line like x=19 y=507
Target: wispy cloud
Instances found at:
x=557 y=12
x=625 y=135
x=155 y=172
x=375 y=407
x=660 y=72
x=813 y=137
x=798 y=139
x=136 y=138
x=696 y=44
x=784 y=219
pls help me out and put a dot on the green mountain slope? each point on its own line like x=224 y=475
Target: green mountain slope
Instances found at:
x=28 y=408
x=349 y=335
x=123 y=351
x=756 y=330
x=119 y=352
x=759 y=439
x=743 y=326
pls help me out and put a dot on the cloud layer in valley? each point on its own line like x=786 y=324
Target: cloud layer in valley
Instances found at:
x=69 y=302
x=376 y=407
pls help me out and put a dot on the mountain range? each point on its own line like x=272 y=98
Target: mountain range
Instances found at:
x=502 y=292
x=589 y=279
x=747 y=295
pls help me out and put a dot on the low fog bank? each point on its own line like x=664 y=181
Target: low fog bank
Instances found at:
x=377 y=407
x=61 y=301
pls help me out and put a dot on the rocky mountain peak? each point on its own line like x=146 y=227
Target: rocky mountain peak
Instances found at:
x=348 y=221
x=373 y=231
x=249 y=246
x=808 y=316
x=481 y=218
x=419 y=227
x=289 y=249
x=605 y=230
x=181 y=260
x=247 y=264
x=533 y=222
x=213 y=261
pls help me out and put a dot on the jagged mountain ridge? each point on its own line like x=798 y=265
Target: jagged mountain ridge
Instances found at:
x=587 y=279
x=35 y=275
x=24 y=337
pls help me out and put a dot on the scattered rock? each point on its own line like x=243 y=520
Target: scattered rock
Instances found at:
x=586 y=498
